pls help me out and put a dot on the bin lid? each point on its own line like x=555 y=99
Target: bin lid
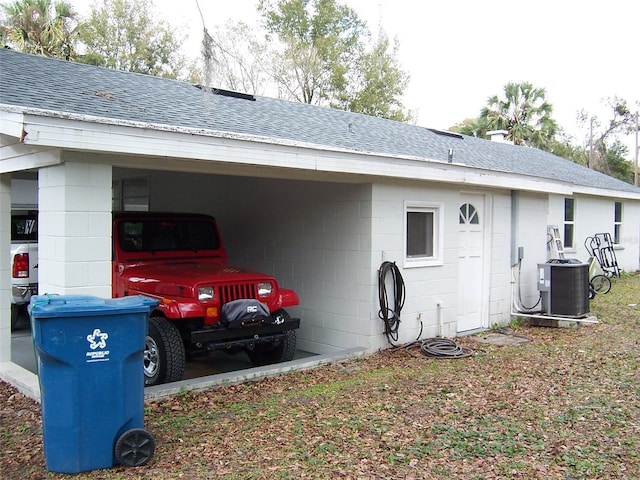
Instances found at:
x=54 y=306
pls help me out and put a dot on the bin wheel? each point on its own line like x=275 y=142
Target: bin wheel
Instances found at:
x=134 y=447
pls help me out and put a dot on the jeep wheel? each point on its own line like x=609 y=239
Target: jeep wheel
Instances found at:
x=163 y=353
x=282 y=351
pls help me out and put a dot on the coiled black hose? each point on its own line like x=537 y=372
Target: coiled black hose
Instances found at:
x=443 y=348
x=390 y=316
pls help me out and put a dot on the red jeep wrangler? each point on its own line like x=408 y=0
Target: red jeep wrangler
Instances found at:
x=205 y=304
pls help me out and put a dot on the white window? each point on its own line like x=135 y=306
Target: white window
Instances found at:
x=617 y=222
x=424 y=234
x=569 y=216
x=131 y=194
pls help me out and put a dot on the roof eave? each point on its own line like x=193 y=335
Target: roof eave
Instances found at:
x=45 y=128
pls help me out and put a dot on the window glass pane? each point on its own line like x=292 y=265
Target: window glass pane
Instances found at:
x=618 y=211
x=420 y=234
x=568 y=209
x=469 y=214
x=24 y=227
x=133 y=204
x=131 y=194
x=474 y=220
x=568 y=235
x=616 y=234
x=154 y=235
x=135 y=187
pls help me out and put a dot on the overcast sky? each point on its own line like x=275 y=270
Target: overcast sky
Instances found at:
x=459 y=53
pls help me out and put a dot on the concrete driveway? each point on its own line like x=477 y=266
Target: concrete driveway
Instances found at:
x=200 y=374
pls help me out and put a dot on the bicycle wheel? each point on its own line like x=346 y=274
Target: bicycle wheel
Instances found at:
x=601 y=284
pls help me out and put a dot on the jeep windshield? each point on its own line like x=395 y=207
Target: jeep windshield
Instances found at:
x=161 y=235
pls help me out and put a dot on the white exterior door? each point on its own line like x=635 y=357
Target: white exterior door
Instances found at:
x=471 y=223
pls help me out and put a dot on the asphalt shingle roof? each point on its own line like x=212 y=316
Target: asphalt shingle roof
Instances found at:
x=37 y=82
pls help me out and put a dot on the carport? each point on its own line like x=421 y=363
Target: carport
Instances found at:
x=288 y=208
x=268 y=236
x=289 y=227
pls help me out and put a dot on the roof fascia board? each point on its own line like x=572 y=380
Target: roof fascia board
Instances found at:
x=133 y=138
x=104 y=135
x=442 y=172
x=11 y=123
x=601 y=192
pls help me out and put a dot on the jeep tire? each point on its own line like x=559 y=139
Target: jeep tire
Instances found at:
x=281 y=351
x=164 y=354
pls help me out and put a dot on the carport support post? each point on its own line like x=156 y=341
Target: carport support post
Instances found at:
x=74 y=202
x=5 y=273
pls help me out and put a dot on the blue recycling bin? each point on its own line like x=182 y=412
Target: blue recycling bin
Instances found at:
x=89 y=354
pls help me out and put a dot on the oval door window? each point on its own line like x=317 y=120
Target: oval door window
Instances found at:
x=469 y=214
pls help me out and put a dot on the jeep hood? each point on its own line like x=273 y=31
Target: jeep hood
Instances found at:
x=181 y=278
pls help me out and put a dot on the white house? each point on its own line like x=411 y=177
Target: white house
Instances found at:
x=318 y=197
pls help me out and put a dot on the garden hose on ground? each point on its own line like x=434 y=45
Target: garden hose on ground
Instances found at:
x=390 y=316
x=440 y=348
x=430 y=347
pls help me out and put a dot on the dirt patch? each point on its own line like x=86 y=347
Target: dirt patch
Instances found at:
x=501 y=339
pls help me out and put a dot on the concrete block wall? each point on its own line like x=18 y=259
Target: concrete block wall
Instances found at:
x=500 y=261
x=596 y=215
x=531 y=235
x=75 y=229
x=430 y=291
x=5 y=268
x=629 y=258
x=314 y=237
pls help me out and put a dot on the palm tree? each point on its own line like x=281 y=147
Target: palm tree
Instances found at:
x=524 y=113
x=41 y=27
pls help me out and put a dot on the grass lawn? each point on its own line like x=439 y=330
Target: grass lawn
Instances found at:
x=566 y=405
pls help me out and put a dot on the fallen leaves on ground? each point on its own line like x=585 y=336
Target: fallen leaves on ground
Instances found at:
x=565 y=405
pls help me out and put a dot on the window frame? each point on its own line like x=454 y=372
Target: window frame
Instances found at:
x=569 y=223
x=437 y=257
x=617 y=223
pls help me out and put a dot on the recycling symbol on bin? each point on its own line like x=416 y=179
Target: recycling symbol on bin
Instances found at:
x=97 y=339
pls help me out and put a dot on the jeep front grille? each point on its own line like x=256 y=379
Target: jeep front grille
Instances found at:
x=232 y=292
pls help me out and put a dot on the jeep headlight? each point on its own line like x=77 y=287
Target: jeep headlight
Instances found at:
x=265 y=289
x=205 y=294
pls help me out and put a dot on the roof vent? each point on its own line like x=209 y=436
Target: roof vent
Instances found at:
x=446 y=133
x=229 y=93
